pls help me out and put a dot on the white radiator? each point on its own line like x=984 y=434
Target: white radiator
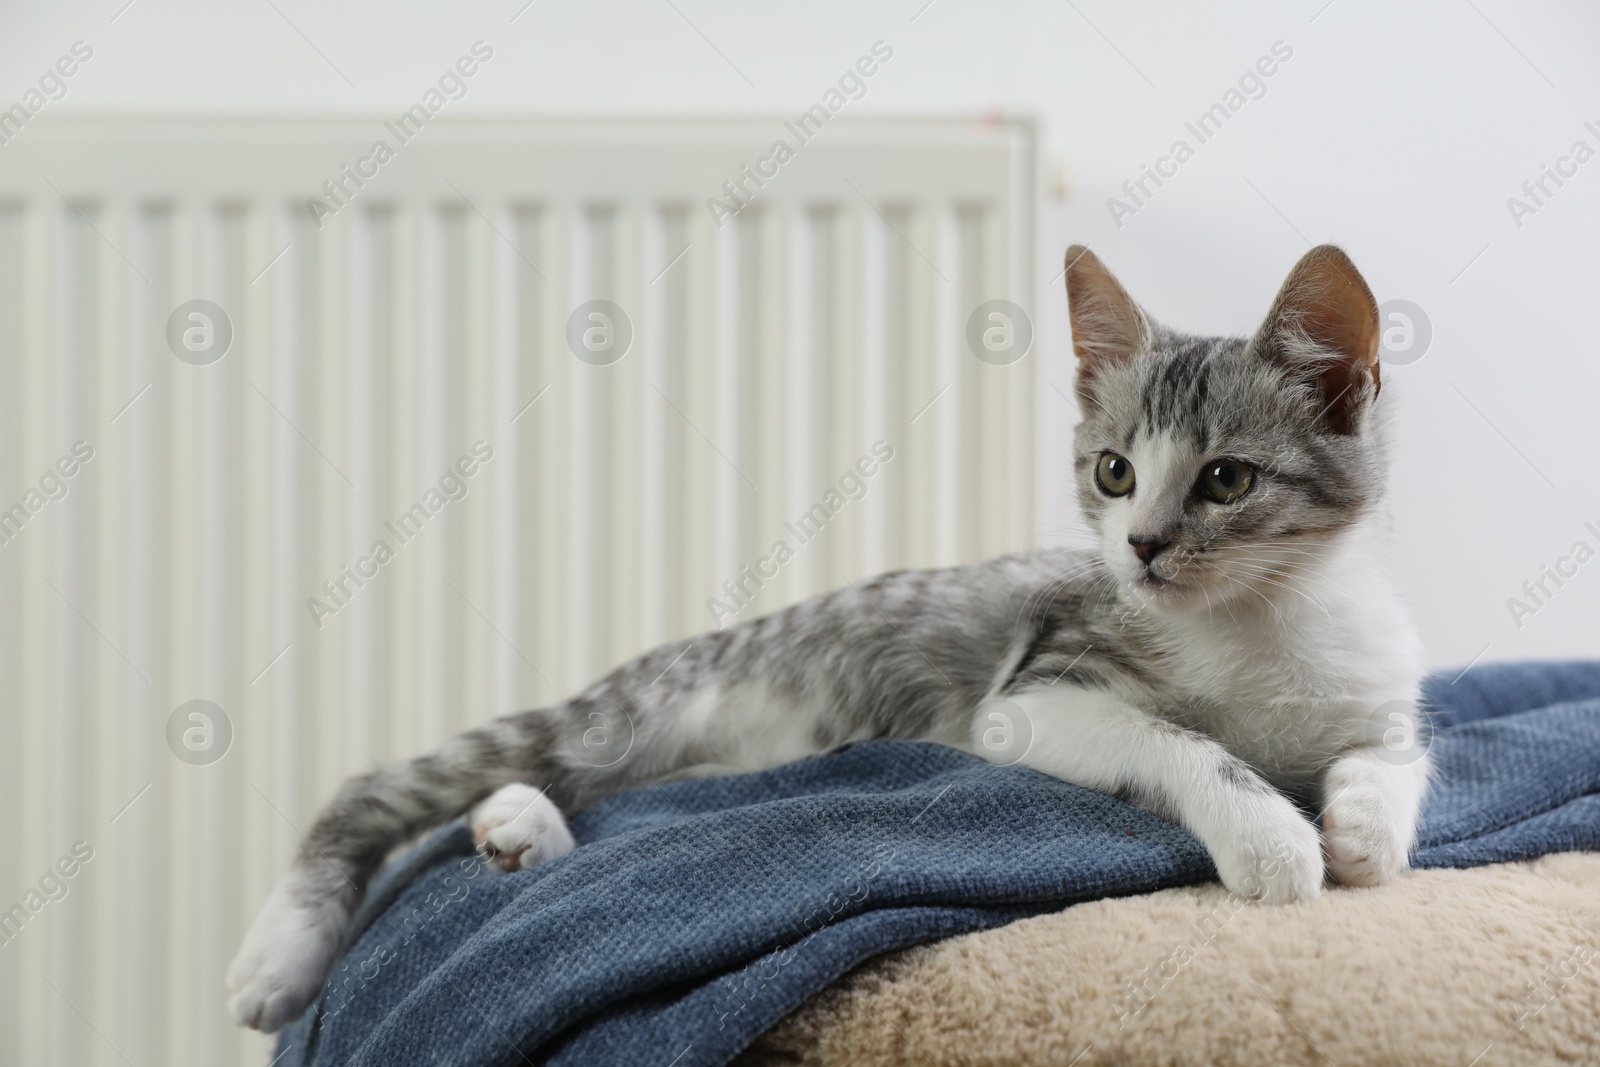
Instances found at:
x=426 y=310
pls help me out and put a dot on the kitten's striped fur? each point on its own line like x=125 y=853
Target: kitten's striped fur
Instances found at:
x=1237 y=667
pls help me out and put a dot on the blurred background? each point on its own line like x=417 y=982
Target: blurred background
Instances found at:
x=579 y=344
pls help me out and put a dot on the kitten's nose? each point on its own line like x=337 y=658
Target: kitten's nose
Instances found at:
x=1148 y=546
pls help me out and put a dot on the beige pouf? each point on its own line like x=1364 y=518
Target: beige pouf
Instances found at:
x=1491 y=966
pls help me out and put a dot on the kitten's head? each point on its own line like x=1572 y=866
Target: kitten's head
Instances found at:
x=1215 y=468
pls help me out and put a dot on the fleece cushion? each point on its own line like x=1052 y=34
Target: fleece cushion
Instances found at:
x=1496 y=965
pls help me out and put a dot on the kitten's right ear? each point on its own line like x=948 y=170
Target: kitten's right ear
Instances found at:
x=1107 y=326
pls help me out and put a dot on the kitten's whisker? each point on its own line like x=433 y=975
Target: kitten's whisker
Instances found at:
x=1259 y=576
x=1343 y=678
x=1264 y=598
x=1038 y=603
x=1306 y=546
x=1308 y=597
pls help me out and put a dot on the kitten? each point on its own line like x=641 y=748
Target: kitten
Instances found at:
x=1225 y=649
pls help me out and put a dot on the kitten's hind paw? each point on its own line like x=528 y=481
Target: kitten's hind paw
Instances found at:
x=518 y=827
x=283 y=961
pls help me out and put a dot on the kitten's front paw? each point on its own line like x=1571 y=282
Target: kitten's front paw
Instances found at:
x=519 y=827
x=1367 y=833
x=1274 y=856
x=282 y=963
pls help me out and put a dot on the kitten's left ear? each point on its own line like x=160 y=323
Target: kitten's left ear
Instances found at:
x=1324 y=325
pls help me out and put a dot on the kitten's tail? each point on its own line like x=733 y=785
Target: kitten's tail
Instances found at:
x=289 y=949
x=575 y=752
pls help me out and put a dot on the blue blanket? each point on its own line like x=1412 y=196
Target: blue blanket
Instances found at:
x=694 y=916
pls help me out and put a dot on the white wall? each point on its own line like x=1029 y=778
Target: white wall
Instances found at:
x=1397 y=133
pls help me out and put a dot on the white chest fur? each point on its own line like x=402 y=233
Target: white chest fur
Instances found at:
x=1287 y=681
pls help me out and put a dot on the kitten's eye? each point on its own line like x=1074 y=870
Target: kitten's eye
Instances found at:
x=1226 y=481
x=1114 y=475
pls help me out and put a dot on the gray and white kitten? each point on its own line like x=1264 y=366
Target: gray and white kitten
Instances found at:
x=1224 y=650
